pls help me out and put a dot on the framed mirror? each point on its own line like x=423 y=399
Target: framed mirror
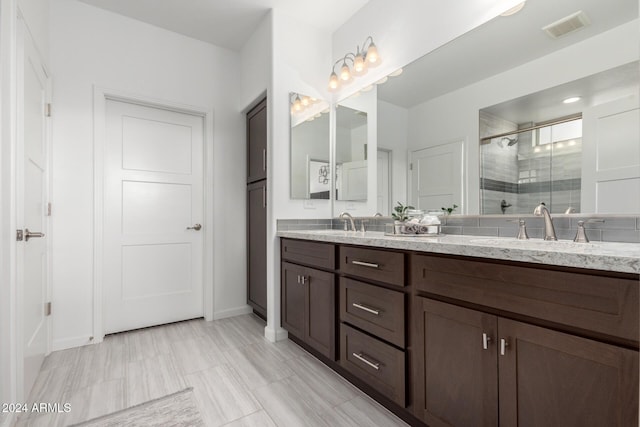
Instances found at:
x=429 y=117
x=310 y=142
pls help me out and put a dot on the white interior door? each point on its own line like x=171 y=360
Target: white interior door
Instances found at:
x=437 y=176
x=384 y=179
x=611 y=157
x=32 y=271
x=153 y=193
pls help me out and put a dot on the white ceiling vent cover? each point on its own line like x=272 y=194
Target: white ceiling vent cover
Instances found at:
x=568 y=24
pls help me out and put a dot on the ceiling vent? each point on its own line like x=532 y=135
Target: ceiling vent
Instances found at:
x=566 y=25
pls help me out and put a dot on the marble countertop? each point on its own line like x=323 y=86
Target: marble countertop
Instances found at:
x=607 y=256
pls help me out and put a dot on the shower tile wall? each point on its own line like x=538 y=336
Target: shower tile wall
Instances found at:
x=523 y=177
x=499 y=166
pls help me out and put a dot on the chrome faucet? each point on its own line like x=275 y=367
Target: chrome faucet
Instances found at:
x=344 y=215
x=549 y=231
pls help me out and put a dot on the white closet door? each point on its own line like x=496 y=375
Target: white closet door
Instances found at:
x=153 y=190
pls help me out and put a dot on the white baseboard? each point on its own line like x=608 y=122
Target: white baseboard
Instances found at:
x=231 y=312
x=275 y=334
x=66 y=343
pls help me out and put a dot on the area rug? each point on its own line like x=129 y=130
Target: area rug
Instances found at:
x=177 y=409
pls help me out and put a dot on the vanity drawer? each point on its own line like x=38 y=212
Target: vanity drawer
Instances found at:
x=374 y=309
x=604 y=305
x=376 y=363
x=383 y=266
x=310 y=253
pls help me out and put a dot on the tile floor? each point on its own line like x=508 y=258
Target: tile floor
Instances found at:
x=238 y=377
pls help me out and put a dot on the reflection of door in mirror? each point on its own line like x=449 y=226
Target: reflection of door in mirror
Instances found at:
x=436 y=175
x=310 y=139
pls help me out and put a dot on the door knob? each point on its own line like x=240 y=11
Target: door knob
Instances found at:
x=196 y=227
x=31 y=234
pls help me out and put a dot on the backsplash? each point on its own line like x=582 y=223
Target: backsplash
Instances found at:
x=615 y=228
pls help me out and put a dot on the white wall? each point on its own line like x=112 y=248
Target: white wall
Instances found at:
x=393 y=128
x=299 y=57
x=90 y=46
x=255 y=64
x=455 y=115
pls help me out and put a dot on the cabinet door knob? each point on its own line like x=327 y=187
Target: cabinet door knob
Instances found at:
x=503 y=346
x=486 y=339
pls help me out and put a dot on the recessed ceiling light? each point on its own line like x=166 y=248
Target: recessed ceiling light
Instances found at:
x=572 y=100
x=366 y=88
x=517 y=8
x=382 y=80
x=396 y=72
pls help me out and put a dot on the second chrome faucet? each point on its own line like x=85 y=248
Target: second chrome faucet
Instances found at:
x=549 y=231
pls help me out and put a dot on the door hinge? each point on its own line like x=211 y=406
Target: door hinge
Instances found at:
x=47 y=109
x=49 y=209
x=19 y=235
x=47 y=309
x=410 y=166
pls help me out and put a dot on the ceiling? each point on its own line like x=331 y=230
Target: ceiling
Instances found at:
x=229 y=23
x=501 y=44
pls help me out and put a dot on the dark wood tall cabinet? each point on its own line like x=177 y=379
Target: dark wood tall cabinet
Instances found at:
x=257 y=208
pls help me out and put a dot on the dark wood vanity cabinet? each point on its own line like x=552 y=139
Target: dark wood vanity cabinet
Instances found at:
x=308 y=296
x=445 y=340
x=373 y=318
x=472 y=365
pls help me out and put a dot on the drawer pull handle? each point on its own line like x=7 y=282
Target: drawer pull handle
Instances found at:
x=360 y=357
x=365 y=308
x=503 y=346
x=486 y=339
x=365 y=264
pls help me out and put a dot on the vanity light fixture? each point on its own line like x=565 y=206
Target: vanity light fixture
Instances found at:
x=354 y=64
x=300 y=102
x=572 y=100
x=515 y=9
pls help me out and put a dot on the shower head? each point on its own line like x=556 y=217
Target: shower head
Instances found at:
x=510 y=141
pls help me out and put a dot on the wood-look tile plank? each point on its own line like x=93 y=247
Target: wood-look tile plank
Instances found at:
x=257 y=367
x=257 y=419
x=61 y=358
x=50 y=385
x=91 y=402
x=196 y=354
x=285 y=407
x=221 y=396
x=99 y=363
x=362 y=411
x=152 y=378
x=318 y=385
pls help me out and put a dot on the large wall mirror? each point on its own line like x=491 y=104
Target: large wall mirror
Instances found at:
x=310 y=139
x=502 y=78
x=355 y=146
